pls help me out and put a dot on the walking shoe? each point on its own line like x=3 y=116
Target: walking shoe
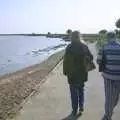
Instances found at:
x=72 y=116
x=74 y=112
x=106 y=118
x=80 y=112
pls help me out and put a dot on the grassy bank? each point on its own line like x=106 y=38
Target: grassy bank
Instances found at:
x=90 y=38
x=16 y=87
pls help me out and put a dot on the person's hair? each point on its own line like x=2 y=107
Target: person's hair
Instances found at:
x=111 y=35
x=75 y=36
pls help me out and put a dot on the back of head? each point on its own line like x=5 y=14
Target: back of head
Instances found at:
x=75 y=37
x=111 y=36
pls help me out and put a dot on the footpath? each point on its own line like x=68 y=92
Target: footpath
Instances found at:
x=52 y=102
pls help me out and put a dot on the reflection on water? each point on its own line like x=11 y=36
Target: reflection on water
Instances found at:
x=17 y=52
x=49 y=49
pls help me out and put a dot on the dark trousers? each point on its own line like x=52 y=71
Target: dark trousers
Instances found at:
x=77 y=96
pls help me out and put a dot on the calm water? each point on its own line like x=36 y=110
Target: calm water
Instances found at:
x=17 y=52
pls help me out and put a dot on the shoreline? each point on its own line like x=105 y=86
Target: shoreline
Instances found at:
x=26 y=70
x=16 y=87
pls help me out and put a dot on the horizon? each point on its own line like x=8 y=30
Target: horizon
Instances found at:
x=38 y=16
x=37 y=33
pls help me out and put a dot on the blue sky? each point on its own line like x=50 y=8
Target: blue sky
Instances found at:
x=56 y=16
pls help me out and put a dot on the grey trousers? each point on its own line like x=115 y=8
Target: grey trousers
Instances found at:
x=112 y=91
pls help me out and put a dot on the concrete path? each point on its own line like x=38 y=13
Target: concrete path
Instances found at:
x=53 y=100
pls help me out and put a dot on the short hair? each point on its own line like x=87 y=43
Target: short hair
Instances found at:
x=111 y=35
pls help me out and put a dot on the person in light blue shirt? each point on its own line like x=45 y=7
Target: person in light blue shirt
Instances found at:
x=109 y=64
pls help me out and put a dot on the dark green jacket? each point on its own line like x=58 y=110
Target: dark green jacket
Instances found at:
x=74 y=63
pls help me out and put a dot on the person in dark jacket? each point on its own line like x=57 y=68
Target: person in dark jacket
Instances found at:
x=74 y=67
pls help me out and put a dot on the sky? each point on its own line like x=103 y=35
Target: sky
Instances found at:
x=56 y=16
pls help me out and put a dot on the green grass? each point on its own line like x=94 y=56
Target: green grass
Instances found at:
x=101 y=41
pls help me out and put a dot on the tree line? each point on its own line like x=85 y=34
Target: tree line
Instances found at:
x=117 y=30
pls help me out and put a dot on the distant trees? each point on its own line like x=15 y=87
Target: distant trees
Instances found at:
x=48 y=33
x=68 y=34
x=69 y=31
x=116 y=31
x=102 y=39
x=103 y=31
x=118 y=23
x=33 y=34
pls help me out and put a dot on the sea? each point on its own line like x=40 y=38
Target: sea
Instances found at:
x=18 y=52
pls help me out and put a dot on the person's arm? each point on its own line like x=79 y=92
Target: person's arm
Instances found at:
x=101 y=60
x=65 y=61
x=100 y=56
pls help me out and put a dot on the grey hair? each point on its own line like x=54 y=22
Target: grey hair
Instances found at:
x=75 y=36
